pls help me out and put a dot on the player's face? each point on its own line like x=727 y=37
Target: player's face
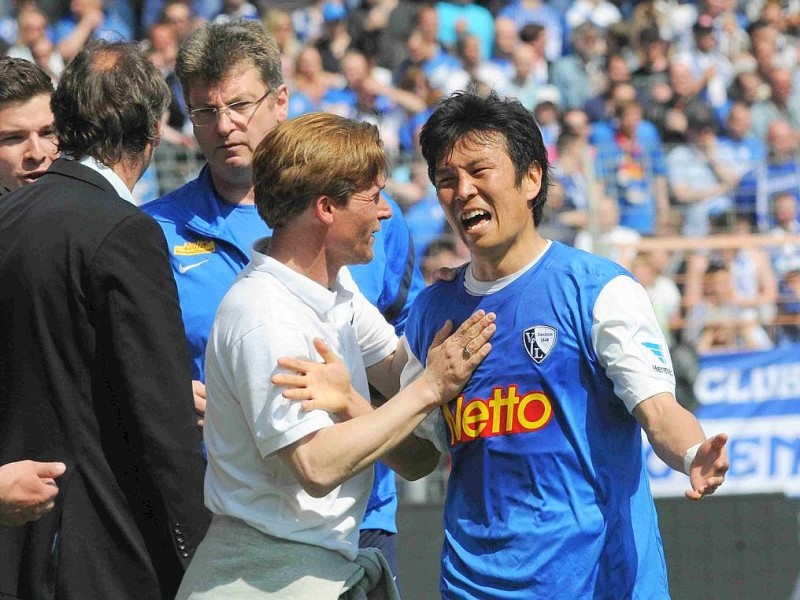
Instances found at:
x=476 y=186
x=27 y=141
x=229 y=142
x=353 y=233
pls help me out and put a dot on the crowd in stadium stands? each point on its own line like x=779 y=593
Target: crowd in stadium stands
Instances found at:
x=661 y=117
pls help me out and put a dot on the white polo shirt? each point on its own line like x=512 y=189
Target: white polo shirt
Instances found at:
x=269 y=312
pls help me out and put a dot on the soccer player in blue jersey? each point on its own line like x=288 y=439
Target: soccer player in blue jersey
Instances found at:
x=232 y=81
x=548 y=495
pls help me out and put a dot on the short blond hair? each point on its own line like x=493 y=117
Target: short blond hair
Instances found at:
x=316 y=154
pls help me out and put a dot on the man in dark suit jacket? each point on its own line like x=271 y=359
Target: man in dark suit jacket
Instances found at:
x=93 y=359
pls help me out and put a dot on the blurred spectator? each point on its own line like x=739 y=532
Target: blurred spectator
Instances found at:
x=630 y=160
x=617 y=72
x=574 y=183
x=364 y=98
x=747 y=151
x=162 y=46
x=446 y=251
x=182 y=18
x=670 y=103
x=506 y=38
x=89 y=20
x=425 y=218
x=702 y=174
x=781 y=173
x=612 y=240
x=444 y=71
x=546 y=111
x=34 y=44
x=438 y=255
x=458 y=18
x=748 y=87
x=278 y=23
x=307 y=21
x=709 y=67
x=579 y=74
x=387 y=24
x=184 y=15
x=484 y=75
x=600 y=13
x=334 y=39
x=674 y=19
x=730 y=37
x=788 y=331
x=237 y=9
x=783 y=104
x=535 y=36
x=654 y=67
x=736 y=134
x=522 y=12
x=371 y=24
x=310 y=82
x=763 y=48
x=648 y=269
x=618 y=93
x=786 y=256
x=755 y=285
x=415 y=81
x=775 y=27
x=525 y=85
x=715 y=323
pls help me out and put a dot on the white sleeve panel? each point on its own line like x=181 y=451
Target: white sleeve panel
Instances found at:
x=629 y=343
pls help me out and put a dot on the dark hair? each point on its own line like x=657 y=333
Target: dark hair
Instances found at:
x=21 y=80
x=469 y=116
x=699 y=116
x=109 y=102
x=530 y=32
x=216 y=49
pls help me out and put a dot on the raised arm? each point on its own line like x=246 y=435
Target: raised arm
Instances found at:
x=324 y=459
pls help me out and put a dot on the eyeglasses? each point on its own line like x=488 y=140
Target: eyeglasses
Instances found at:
x=203 y=117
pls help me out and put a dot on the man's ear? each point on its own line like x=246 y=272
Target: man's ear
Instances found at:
x=532 y=181
x=324 y=209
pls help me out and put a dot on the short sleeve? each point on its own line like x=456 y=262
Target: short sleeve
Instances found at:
x=629 y=342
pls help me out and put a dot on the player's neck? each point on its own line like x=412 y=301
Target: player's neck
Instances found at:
x=234 y=191
x=495 y=263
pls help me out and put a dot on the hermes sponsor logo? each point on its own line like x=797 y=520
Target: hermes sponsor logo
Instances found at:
x=194 y=248
x=506 y=411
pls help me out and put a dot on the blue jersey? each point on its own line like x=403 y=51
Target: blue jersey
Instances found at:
x=548 y=495
x=209 y=243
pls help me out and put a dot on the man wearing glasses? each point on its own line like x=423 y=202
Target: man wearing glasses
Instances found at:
x=233 y=86
x=234 y=89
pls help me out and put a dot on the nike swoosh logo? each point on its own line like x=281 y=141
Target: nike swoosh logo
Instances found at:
x=183 y=269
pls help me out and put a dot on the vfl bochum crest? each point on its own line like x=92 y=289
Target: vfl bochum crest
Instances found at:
x=539 y=340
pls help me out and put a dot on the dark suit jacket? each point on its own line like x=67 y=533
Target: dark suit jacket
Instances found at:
x=94 y=372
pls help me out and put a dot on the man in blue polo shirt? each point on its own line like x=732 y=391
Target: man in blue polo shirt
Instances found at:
x=231 y=77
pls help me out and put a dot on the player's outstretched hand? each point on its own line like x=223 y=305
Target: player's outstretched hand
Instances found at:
x=453 y=358
x=708 y=467
x=324 y=386
x=27 y=490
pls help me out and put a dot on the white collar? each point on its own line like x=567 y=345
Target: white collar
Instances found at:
x=109 y=175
